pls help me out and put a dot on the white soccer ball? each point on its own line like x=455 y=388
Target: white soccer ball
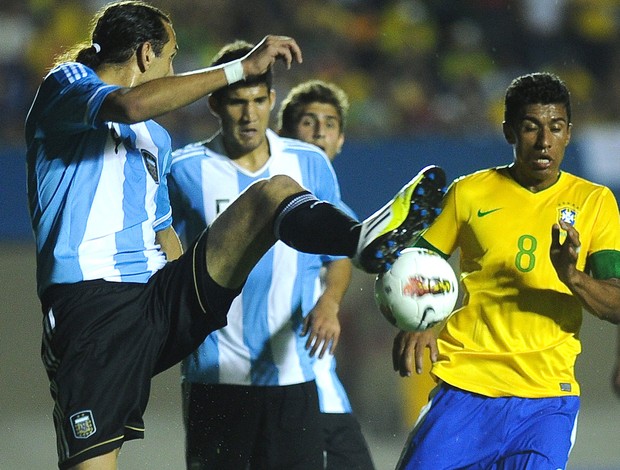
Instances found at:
x=419 y=291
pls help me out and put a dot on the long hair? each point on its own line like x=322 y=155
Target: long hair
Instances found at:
x=117 y=30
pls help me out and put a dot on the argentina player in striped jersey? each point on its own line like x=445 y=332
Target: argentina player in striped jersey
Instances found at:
x=120 y=302
x=245 y=377
x=315 y=111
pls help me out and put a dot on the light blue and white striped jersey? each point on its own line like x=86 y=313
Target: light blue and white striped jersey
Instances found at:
x=261 y=343
x=97 y=190
x=333 y=397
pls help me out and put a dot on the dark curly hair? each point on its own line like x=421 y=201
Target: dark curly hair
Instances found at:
x=535 y=88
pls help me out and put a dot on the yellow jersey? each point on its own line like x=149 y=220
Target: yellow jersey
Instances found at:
x=517 y=333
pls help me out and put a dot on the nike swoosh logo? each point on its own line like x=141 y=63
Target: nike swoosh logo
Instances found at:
x=483 y=213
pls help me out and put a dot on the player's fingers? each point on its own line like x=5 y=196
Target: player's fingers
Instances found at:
x=324 y=349
x=433 y=351
x=289 y=50
x=572 y=236
x=311 y=340
x=295 y=51
x=419 y=358
x=282 y=47
x=407 y=356
x=407 y=359
x=334 y=343
x=555 y=234
x=284 y=53
x=572 y=242
x=306 y=325
x=397 y=350
x=318 y=340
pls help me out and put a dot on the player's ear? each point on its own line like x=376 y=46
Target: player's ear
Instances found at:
x=340 y=143
x=145 y=55
x=509 y=133
x=214 y=105
x=272 y=98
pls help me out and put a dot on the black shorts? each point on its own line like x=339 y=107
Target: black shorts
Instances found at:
x=104 y=341
x=229 y=427
x=345 y=446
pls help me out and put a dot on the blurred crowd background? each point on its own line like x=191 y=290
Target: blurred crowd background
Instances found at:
x=426 y=80
x=410 y=67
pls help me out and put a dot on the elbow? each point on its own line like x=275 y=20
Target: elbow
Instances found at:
x=615 y=318
x=129 y=113
x=610 y=316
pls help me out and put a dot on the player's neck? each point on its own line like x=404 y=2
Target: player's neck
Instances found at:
x=532 y=185
x=121 y=75
x=253 y=160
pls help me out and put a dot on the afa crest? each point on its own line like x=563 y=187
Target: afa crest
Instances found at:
x=567 y=214
x=83 y=424
x=150 y=161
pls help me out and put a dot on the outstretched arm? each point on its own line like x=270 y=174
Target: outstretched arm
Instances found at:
x=322 y=324
x=162 y=95
x=600 y=297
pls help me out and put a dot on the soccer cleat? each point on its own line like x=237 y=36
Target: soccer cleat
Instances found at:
x=396 y=225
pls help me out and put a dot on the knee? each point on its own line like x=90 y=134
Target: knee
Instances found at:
x=271 y=191
x=283 y=185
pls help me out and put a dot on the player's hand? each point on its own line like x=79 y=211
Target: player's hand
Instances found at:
x=266 y=52
x=408 y=348
x=322 y=327
x=564 y=255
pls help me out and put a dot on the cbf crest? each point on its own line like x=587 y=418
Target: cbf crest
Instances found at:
x=83 y=424
x=567 y=214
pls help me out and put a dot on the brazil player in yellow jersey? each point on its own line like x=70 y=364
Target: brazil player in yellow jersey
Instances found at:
x=537 y=246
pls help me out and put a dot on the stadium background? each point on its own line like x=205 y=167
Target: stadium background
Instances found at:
x=426 y=81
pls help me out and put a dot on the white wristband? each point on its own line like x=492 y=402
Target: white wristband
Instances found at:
x=234 y=71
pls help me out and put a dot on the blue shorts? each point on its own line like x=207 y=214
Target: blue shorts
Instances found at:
x=459 y=429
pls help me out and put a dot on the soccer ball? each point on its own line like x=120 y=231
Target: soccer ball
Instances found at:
x=418 y=291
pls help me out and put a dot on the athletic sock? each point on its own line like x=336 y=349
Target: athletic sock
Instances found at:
x=312 y=226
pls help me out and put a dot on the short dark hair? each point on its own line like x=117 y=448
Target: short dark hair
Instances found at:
x=312 y=91
x=535 y=88
x=236 y=50
x=118 y=29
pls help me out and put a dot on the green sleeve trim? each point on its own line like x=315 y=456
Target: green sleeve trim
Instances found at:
x=605 y=264
x=422 y=243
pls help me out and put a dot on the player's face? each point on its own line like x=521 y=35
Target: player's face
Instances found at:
x=539 y=139
x=244 y=116
x=161 y=66
x=320 y=125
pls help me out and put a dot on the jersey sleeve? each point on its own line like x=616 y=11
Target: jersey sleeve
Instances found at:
x=442 y=235
x=327 y=188
x=325 y=182
x=604 y=255
x=163 y=212
x=75 y=95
